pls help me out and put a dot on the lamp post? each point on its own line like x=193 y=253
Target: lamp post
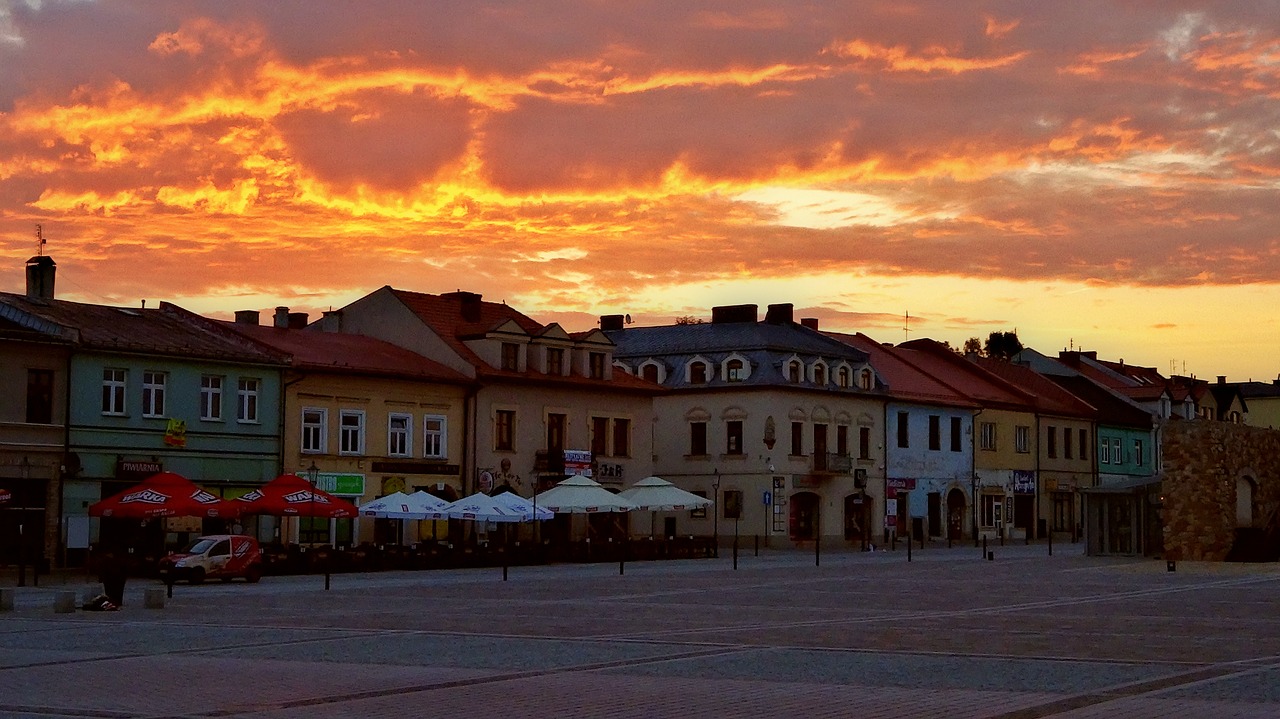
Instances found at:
x=24 y=469
x=313 y=476
x=715 y=513
x=973 y=501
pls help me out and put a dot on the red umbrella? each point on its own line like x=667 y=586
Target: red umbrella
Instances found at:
x=291 y=495
x=164 y=495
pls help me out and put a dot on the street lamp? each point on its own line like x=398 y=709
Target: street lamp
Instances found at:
x=313 y=476
x=973 y=501
x=715 y=516
x=24 y=469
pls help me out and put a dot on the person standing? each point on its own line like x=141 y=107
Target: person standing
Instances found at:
x=113 y=572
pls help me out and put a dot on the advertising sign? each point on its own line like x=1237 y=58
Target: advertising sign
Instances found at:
x=577 y=461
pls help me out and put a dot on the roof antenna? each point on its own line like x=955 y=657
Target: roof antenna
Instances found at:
x=40 y=241
x=906 y=326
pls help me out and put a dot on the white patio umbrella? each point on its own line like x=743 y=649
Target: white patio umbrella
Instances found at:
x=658 y=495
x=582 y=495
x=392 y=506
x=498 y=508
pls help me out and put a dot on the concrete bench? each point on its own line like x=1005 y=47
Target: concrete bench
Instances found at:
x=153 y=598
x=64 y=602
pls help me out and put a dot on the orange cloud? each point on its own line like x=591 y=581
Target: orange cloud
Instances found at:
x=931 y=59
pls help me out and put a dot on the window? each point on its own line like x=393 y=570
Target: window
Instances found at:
x=555 y=361
x=1051 y=442
x=435 y=437
x=1137 y=452
x=621 y=437
x=864 y=443
x=113 y=383
x=794 y=372
x=1117 y=454
x=1104 y=450
x=935 y=432
x=247 y=402
x=842 y=377
x=1084 y=444
x=842 y=440
x=314 y=430
x=698 y=373
x=797 y=439
x=956 y=434
x=697 y=438
x=820 y=375
x=819 y=446
x=399 y=435
x=987 y=436
x=599 y=436
x=504 y=422
x=153 y=384
x=211 y=398
x=733 y=436
x=557 y=425
x=351 y=432
x=650 y=373
x=865 y=379
x=1021 y=439
x=1066 y=442
x=904 y=439
x=40 y=396
x=733 y=370
x=595 y=360
x=511 y=356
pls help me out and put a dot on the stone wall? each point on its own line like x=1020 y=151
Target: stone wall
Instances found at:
x=1202 y=462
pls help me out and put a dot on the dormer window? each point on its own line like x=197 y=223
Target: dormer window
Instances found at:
x=555 y=361
x=650 y=372
x=733 y=370
x=866 y=380
x=698 y=373
x=595 y=362
x=820 y=374
x=843 y=378
x=511 y=356
x=795 y=372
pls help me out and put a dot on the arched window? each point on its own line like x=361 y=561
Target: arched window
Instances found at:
x=795 y=372
x=843 y=377
x=820 y=375
x=698 y=373
x=650 y=372
x=865 y=379
x=733 y=370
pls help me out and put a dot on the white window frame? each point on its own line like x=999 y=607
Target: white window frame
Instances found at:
x=318 y=432
x=1137 y=452
x=987 y=436
x=115 y=382
x=153 y=387
x=211 y=397
x=1104 y=450
x=1117 y=451
x=1022 y=439
x=399 y=440
x=349 y=435
x=248 y=394
x=435 y=444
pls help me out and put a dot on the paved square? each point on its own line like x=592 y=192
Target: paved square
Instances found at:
x=862 y=635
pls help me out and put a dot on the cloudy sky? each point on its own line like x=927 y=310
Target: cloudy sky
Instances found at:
x=1095 y=174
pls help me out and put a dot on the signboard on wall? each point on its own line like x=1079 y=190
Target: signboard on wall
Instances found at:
x=351 y=485
x=1024 y=481
x=577 y=461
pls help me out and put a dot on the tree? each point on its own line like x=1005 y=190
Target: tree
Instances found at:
x=1003 y=345
x=689 y=320
x=972 y=346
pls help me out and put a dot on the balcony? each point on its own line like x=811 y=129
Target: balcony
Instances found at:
x=831 y=463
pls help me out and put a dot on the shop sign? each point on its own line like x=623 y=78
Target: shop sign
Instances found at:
x=135 y=471
x=900 y=483
x=577 y=461
x=351 y=485
x=1024 y=481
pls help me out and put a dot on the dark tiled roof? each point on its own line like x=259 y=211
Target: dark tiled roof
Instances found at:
x=347 y=353
x=1257 y=389
x=1048 y=397
x=444 y=315
x=966 y=377
x=1112 y=410
x=165 y=330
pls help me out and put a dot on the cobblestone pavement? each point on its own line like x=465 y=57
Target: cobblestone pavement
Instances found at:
x=947 y=634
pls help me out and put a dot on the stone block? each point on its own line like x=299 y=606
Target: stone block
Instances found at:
x=64 y=602
x=153 y=598
x=6 y=599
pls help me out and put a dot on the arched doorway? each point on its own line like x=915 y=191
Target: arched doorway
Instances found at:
x=804 y=516
x=1244 y=502
x=955 y=514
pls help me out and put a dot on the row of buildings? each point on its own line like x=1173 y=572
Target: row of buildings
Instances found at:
x=796 y=432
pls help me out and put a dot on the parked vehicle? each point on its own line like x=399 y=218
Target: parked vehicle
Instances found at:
x=221 y=556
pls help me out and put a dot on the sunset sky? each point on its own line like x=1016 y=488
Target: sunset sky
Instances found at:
x=1103 y=175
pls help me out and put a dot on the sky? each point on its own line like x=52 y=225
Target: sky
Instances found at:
x=1092 y=175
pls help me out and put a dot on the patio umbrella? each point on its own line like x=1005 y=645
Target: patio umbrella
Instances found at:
x=392 y=506
x=292 y=496
x=165 y=494
x=658 y=495
x=582 y=495
x=504 y=507
x=5 y=496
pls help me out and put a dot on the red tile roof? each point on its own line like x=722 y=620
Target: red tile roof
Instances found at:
x=905 y=379
x=964 y=376
x=1048 y=397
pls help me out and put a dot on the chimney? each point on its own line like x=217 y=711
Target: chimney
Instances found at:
x=779 y=314
x=469 y=303
x=609 y=323
x=296 y=320
x=733 y=313
x=248 y=317
x=281 y=318
x=332 y=321
x=40 y=272
x=1222 y=379
x=810 y=322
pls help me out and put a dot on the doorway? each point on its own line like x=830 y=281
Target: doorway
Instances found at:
x=955 y=514
x=804 y=516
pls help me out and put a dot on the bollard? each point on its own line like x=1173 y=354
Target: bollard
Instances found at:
x=1171 y=566
x=64 y=602
x=757 y=545
x=1002 y=536
x=153 y=598
x=984 y=545
x=1026 y=540
x=1050 y=542
x=991 y=556
x=6 y=599
x=908 y=550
